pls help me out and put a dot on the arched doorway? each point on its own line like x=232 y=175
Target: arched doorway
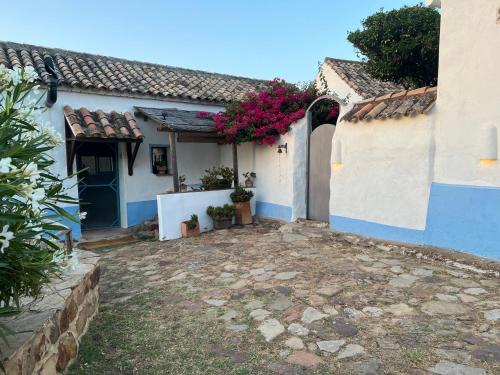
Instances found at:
x=321 y=130
x=320 y=143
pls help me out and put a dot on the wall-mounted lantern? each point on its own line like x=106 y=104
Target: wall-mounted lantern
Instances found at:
x=337 y=155
x=488 y=144
x=283 y=147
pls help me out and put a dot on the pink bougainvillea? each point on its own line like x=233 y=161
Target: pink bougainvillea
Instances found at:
x=265 y=115
x=207 y=115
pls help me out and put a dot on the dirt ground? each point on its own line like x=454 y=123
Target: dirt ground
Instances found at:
x=289 y=299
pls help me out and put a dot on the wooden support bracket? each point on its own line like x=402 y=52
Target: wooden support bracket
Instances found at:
x=70 y=155
x=131 y=155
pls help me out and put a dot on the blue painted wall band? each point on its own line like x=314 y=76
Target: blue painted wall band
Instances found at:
x=76 y=228
x=459 y=217
x=273 y=210
x=138 y=212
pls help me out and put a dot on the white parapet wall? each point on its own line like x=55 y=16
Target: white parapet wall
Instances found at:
x=176 y=208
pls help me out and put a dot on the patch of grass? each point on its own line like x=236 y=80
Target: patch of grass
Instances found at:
x=158 y=339
x=415 y=355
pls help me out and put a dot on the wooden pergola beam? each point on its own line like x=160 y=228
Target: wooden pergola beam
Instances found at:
x=235 y=165
x=173 y=159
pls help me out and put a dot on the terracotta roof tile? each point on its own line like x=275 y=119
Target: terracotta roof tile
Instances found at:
x=86 y=124
x=93 y=72
x=355 y=75
x=396 y=105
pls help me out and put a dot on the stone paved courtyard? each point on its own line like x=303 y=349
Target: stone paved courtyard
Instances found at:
x=289 y=299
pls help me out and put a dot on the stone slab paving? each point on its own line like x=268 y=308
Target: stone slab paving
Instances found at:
x=317 y=302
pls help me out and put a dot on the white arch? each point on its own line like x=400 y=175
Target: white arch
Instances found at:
x=323 y=97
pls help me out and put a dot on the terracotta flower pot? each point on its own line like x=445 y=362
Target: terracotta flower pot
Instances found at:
x=243 y=213
x=186 y=232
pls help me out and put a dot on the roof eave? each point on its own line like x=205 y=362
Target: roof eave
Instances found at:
x=125 y=94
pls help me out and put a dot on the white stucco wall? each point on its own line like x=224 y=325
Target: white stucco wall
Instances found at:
x=337 y=87
x=274 y=180
x=386 y=172
x=281 y=177
x=246 y=158
x=468 y=96
x=193 y=158
x=176 y=208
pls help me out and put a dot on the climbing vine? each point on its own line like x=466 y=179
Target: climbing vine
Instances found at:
x=263 y=116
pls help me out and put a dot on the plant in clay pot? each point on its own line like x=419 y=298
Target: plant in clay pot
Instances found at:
x=182 y=185
x=249 y=177
x=222 y=216
x=217 y=178
x=191 y=227
x=241 y=199
x=162 y=166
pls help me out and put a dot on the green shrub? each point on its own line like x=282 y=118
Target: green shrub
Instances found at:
x=30 y=192
x=401 y=45
x=225 y=212
x=241 y=195
x=217 y=178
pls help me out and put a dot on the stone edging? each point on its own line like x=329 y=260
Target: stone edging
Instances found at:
x=47 y=334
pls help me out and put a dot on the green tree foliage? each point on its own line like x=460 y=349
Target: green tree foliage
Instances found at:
x=401 y=45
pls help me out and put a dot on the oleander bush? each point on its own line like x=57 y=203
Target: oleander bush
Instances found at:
x=30 y=192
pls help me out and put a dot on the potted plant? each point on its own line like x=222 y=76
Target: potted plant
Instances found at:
x=222 y=216
x=241 y=199
x=191 y=227
x=161 y=165
x=249 y=177
x=182 y=185
x=217 y=178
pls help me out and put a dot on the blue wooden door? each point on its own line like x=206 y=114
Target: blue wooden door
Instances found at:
x=98 y=184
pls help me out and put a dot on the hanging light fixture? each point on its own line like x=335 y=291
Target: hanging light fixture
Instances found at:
x=337 y=155
x=283 y=147
x=488 y=144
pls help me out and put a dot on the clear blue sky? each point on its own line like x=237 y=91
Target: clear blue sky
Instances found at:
x=253 y=38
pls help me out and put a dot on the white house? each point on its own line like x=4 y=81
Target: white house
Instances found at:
x=421 y=166
x=113 y=114
x=100 y=111
x=349 y=82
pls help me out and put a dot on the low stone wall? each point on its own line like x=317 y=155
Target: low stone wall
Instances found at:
x=46 y=335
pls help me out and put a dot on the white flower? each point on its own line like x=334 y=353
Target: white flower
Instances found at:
x=36 y=196
x=31 y=171
x=5 y=237
x=30 y=74
x=83 y=215
x=6 y=165
x=53 y=135
x=15 y=75
x=32 y=195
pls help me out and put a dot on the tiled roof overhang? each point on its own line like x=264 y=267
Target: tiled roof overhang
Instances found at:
x=172 y=119
x=95 y=125
x=119 y=77
x=354 y=74
x=394 y=105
